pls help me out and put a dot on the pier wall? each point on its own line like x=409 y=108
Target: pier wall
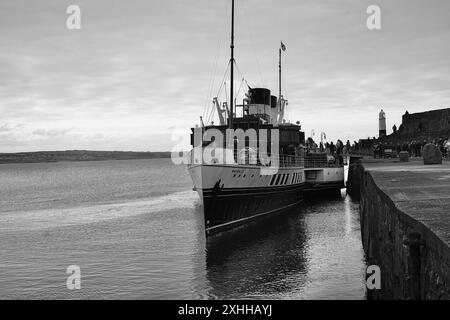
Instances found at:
x=414 y=261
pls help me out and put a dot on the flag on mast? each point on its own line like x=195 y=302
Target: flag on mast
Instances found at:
x=283 y=47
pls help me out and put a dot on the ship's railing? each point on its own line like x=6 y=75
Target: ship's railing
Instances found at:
x=321 y=160
x=250 y=158
x=291 y=160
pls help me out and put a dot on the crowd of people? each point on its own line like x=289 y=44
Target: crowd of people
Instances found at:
x=379 y=149
x=336 y=152
x=331 y=148
x=413 y=147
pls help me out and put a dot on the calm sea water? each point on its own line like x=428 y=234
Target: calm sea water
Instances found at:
x=135 y=229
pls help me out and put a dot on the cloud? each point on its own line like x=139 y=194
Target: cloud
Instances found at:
x=5 y=128
x=137 y=68
x=52 y=133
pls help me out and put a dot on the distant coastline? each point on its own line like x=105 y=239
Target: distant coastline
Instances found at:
x=77 y=155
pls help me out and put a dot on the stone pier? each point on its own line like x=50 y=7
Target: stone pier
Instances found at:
x=405 y=226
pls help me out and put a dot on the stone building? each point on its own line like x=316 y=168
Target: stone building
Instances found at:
x=431 y=123
x=421 y=126
x=427 y=126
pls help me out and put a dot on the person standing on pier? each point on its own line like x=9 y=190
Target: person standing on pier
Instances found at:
x=447 y=149
x=348 y=145
x=332 y=148
x=339 y=151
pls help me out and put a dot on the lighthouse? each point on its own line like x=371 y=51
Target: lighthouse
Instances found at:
x=382 y=124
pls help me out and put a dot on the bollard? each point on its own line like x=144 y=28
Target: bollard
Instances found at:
x=414 y=241
x=404 y=156
x=431 y=154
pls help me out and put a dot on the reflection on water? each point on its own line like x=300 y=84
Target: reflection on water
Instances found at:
x=137 y=232
x=260 y=259
x=312 y=252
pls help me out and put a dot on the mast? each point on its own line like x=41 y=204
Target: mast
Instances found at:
x=279 y=78
x=232 y=66
x=280 y=101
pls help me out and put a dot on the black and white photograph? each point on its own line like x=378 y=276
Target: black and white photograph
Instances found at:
x=245 y=151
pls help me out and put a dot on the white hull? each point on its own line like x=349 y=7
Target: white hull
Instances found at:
x=233 y=195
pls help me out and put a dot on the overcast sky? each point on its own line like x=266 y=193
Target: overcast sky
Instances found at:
x=139 y=70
